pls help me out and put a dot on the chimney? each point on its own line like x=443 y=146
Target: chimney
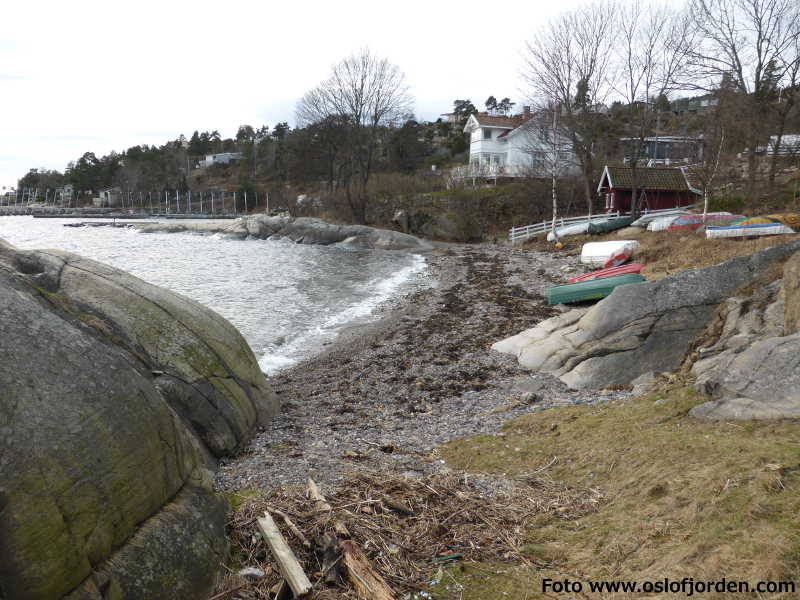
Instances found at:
x=526 y=111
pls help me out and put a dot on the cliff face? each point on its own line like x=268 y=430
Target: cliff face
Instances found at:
x=116 y=397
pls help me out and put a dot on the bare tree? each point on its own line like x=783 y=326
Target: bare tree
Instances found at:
x=567 y=62
x=370 y=94
x=753 y=45
x=652 y=52
x=787 y=96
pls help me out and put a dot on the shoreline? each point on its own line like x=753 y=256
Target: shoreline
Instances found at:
x=386 y=393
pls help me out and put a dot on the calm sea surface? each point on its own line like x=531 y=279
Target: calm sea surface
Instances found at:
x=287 y=299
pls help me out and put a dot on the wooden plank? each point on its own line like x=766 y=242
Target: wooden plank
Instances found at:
x=287 y=562
x=368 y=583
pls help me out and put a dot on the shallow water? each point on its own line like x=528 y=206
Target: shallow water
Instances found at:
x=288 y=300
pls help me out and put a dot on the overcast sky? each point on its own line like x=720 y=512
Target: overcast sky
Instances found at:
x=106 y=75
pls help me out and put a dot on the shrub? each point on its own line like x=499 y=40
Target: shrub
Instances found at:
x=731 y=204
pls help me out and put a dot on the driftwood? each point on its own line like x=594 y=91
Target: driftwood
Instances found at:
x=228 y=592
x=397 y=506
x=287 y=562
x=313 y=493
x=366 y=581
x=293 y=528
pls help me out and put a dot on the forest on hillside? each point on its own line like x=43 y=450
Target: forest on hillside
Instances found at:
x=600 y=79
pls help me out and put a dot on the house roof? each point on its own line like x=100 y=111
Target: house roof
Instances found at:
x=650 y=178
x=485 y=120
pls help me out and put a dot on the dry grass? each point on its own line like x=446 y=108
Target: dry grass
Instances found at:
x=667 y=253
x=684 y=498
x=475 y=518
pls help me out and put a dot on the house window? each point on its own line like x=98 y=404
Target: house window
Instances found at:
x=487 y=134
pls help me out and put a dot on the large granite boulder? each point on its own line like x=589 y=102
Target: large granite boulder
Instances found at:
x=115 y=397
x=639 y=328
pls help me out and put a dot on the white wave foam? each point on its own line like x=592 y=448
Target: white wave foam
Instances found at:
x=299 y=348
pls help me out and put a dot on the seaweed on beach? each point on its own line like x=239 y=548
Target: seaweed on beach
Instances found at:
x=407 y=528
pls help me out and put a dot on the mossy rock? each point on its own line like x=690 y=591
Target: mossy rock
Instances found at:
x=166 y=332
x=104 y=487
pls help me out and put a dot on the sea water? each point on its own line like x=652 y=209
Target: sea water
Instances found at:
x=288 y=300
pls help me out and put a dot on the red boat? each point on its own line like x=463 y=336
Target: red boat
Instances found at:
x=632 y=268
x=619 y=258
x=695 y=222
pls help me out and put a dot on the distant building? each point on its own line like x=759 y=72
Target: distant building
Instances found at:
x=695 y=105
x=108 y=197
x=450 y=117
x=657 y=188
x=223 y=158
x=665 y=150
x=517 y=146
x=66 y=191
x=790 y=145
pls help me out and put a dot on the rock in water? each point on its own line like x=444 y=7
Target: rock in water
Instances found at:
x=638 y=328
x=105 y=490
x=302 y=230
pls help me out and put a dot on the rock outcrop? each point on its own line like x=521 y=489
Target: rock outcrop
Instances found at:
x=747 y=365
x=791 y=291
x=639 y=328
x=301 y=230
x=116 y=397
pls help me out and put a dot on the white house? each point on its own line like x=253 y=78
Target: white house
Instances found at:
x=517 y=146
x=790 y=145
x=223 y=158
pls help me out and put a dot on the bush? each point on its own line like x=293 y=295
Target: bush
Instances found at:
x=731 y=204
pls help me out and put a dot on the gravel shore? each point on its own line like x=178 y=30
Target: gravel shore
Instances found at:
x=385 y=395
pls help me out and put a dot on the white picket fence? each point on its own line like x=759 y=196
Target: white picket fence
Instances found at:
x=517 y=235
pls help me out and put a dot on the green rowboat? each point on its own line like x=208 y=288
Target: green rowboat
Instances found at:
x=594 y=289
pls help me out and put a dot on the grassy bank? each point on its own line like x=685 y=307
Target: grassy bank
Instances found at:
x=678 y=497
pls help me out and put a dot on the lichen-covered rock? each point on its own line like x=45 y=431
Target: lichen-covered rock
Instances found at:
x=104 y=485
x=639 y=328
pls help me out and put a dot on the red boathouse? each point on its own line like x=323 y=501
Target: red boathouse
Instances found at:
x=658 y=187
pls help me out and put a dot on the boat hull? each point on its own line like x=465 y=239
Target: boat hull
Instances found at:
x=630 y=269
x=593 y=289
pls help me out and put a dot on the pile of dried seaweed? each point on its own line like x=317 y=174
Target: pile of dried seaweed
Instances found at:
x=406 y=529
